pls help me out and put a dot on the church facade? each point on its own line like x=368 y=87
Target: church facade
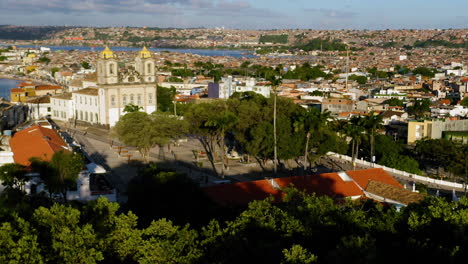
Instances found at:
x=134 y=84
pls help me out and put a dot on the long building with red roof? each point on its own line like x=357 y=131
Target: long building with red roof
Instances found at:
x=36 y=141
x=369 y=183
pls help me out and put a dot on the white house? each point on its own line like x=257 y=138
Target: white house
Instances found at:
x=39 y=107
x=86 y=105
x=62 y=107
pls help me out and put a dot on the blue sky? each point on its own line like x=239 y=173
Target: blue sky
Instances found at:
x=244 y=14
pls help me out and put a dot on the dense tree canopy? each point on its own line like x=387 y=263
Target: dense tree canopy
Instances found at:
x=301 y=229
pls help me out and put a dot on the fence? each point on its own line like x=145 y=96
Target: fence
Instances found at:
x=403 y=174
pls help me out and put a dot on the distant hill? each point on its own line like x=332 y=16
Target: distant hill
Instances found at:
x=28 y=32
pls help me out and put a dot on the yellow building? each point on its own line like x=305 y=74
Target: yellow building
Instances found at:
x=21 y=94
x=418 y=130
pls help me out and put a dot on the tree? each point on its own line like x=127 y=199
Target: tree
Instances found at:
x=166 y=98
x=18 y=242
x=394 y=102
x=44 y=59
x=209 y=122
x=400 y=162
x=464 y=102
x=64 y=239
x=298 y=255
x=355 y=130
x=275 y=82
x=359 y=79
x=160 y=193
x=312 y=121
x=65 y=169
x=165 y=129
x=12 y=175
x=53 y=71
x=131 y=108
x=144 y=132
x=372 y=123
x=419 y=107
x=424 y=72
x=85 y=65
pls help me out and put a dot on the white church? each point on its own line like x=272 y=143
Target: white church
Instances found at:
x=115 y=88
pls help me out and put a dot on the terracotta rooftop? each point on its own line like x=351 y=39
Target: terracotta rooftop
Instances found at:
x=36 y=141
x=48 y=87
x=400 y=195
x=65 y=96
x=337 y=185
x=87 y=91
x=39 y=100
x=362 y=177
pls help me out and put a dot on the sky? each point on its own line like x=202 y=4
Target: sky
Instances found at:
x=241 y=14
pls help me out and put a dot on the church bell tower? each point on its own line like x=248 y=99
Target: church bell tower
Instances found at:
x=144 y=64
x=107 y=67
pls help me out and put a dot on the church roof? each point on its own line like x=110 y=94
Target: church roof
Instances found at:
x=107 y=53
x=144 y=53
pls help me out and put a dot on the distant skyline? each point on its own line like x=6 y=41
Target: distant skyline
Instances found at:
x=242 y=14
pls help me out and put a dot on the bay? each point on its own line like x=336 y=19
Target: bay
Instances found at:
x=202 y=52
x=5 y=86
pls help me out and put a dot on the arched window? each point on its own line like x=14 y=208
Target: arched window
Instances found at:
x=124 y=99
x=149 y=67
x=111 y=68
x=131 y=99
x=91 y=117
x=86 y=116
x=81 y=115
x=139 y=99
x=97 y=118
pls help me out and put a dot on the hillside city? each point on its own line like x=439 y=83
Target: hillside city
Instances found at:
x=218 y=145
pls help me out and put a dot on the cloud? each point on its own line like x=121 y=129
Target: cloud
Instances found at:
x=332 y=13
x=104 y=6
x=233 y=8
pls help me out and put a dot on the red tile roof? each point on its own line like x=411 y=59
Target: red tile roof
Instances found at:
x=241 y=193
x=362 y=177
x=16 y=90
x=48 y=87
x=329 y=184
x=36 y=141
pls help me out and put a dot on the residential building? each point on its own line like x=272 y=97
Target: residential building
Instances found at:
x=433 y=129
x=62 y=107
x=39 y=107
x=36 y=141
x=86 y=105
x=336 y=106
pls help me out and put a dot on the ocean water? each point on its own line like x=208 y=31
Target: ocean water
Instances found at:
x=5 y=86
x=202 y=52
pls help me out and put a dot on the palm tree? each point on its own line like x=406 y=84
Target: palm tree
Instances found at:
x=275 y=82
x=311 y=121
x=372 y=123
x=355 y=129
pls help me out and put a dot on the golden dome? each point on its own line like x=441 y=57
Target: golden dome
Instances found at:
x=144 y=53
x=107 y=53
